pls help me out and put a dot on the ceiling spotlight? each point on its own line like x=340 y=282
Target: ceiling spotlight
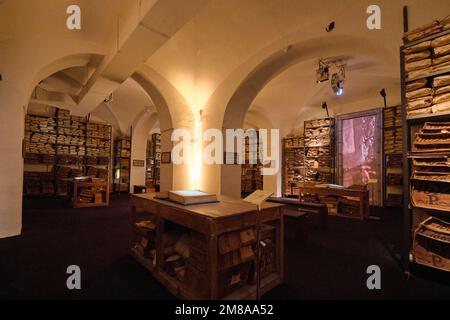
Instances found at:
x=322 y=73
x=337 y=81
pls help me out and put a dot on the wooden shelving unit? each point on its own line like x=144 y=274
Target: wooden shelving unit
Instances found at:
x=293 y=164
x=425 y=166
x=251 y=178
x=392 y=156
x=309 y=159
x=319 y=151
x=122 y=165
x=60 y=147
x=153 y=162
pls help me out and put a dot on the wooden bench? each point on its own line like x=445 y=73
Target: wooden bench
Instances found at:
x=317 y=209
x=296 y=226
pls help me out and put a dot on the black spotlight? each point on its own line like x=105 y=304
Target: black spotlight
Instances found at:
x=325 y=106
x=330 y=26
x=383 y=94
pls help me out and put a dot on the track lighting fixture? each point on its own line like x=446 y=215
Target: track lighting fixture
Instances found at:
x=337 y=81
x=322 y=73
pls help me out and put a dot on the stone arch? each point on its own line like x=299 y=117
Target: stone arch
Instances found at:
x=15 y=93
x=173 y=112
x=141 y=129
x=236 y=94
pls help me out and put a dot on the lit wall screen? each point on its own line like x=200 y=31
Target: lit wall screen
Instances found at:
x=359 y=152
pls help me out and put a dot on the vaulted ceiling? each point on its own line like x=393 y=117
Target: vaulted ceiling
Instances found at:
x=216 y=38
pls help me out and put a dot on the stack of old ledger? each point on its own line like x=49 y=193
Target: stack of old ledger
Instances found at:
x=422 y=32
x=37 y=183
x=41 y=137
x=86 y=195
x=91 y=161
x=98 y=131
x=63 y=172
x=146 y=232
x=393 y=133
x=430 y=179
x=40 y=148
x=424 y=96
x=103 y=160
x=349 y=207
x=394 y=179
x=431 y=244
x=427 y=30
x=433 y=137
x=318 y=123
x=69 y=160
x=317 y=140
x=431 y=169
x=40 y=124
x=395 y=161
x=294 y=142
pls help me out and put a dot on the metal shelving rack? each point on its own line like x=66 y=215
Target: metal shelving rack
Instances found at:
x=331 y=147
x=84 y=165
x=386 y=155
x=409 y=124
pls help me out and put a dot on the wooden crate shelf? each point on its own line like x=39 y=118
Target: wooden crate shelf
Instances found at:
x=208 y=225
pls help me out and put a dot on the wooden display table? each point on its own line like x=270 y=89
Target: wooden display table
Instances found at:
x=212 y=221
x=362 y=194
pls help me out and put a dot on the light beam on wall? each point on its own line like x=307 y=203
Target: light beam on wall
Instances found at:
x=196 y=167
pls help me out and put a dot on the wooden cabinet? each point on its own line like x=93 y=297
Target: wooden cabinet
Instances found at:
x=208 y=227
x=90 y=194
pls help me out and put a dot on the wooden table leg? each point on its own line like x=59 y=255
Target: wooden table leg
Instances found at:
x=132 y=222
x=213 y=267
x=159 y=243
x=323 y=218
x=280 y=239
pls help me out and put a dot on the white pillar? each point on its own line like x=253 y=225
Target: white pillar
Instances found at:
x=12 y=117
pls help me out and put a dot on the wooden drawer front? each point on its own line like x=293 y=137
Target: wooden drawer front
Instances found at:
x=270 y=214
x=233 y=223
x=145 y=205
x=197 y=223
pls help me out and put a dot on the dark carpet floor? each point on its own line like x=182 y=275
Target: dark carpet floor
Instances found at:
x=331 y=266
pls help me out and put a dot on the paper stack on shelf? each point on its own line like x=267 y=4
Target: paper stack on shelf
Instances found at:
x=39 y=148
x=393 y=133
x=423 y=96
x=70 y=160
x=40 y=124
